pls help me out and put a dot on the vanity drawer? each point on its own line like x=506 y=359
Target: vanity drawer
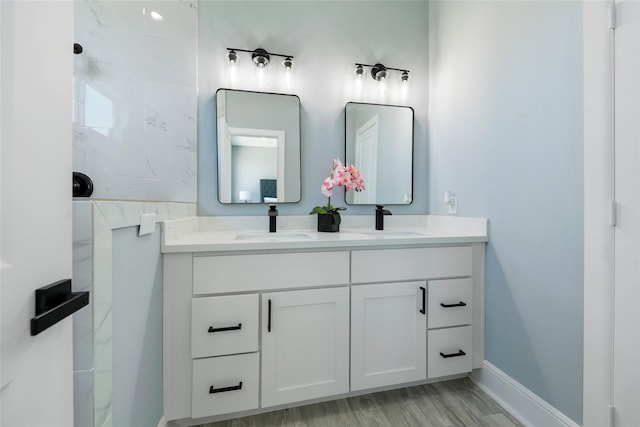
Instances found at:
x=449 y=303
x=224 y=384
x=224 y=325
x=239 y=273
x=449 y=351
x=410 y=264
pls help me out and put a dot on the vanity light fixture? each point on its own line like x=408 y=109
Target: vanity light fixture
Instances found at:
x=232 y=56
x=379 y=72
x=260 y=57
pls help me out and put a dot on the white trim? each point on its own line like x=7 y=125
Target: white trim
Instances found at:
x=598 y=191
x=163 y=422
x=518 y=400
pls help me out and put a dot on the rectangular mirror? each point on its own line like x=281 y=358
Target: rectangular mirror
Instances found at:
x=258 y=147
x=379 y=142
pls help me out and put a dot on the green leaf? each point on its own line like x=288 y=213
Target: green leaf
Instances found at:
x=318 y=210
x=336 y=217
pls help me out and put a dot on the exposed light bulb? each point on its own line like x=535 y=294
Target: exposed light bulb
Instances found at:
x=382 y=89
x=232 y=56
x=357 y=81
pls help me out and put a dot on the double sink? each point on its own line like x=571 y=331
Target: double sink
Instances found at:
x=302 y=236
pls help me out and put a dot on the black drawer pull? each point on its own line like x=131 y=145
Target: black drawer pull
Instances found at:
x=460 y=304
x=223 y=389
x=424 y=299
x=458 y=354
x=269 y=317
x=228 y=328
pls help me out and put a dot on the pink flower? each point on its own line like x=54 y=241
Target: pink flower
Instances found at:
x=327 y=187
x=347 y=176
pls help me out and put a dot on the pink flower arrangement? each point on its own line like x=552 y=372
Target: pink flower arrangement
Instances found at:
x=347 y=176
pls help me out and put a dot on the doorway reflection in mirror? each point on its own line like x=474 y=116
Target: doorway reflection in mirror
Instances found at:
x=379 y=142
x=258 y=147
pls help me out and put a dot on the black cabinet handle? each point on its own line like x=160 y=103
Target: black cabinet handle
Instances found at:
x=424 y=300
x=228 y=328
x=458 y=354
x=460 y=304
x=223 y=389
x=269 y=318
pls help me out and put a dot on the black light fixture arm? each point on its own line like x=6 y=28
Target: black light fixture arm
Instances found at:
x=402 y=70
x=259 y=50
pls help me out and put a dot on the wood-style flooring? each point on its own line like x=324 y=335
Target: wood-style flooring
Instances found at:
x=455 y=403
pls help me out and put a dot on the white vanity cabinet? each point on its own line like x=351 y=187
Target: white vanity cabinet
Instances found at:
x=212 y=330
x=305 y=345
x=388 y=334
x=391 y=349
x=254 y=329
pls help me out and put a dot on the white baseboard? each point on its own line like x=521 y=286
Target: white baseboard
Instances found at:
x=518 y=400
x=162 y=422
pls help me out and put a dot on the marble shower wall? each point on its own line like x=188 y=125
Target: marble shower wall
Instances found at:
x=135 y=98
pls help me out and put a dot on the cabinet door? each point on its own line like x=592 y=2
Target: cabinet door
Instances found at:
x=388 y=334
x=305 y=345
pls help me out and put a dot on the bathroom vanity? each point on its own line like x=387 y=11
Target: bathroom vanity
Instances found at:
x=257 y=321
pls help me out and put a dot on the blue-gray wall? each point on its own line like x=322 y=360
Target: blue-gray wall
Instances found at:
x=506 y=137
x=137 y=328
x=327 y=39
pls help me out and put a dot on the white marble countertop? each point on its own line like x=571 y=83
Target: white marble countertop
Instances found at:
x=250 y=233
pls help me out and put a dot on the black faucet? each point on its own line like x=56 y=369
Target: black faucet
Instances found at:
x=380 y=213
x=273 y=213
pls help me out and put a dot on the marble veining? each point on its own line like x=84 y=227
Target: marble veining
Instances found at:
x=82 y=319
x=107 y=216
x=135 y=99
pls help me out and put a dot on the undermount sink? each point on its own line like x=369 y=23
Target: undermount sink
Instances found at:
x=391 y=233
x=272 y=237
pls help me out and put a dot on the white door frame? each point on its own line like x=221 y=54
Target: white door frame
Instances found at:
x=371 y=156
x=611 y=341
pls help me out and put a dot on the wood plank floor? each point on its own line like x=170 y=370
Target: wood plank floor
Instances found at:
x=455 y=403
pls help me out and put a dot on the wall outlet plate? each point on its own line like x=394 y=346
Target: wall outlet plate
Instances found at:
x=147 y=224
x=453 y=205
x=451 y=201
